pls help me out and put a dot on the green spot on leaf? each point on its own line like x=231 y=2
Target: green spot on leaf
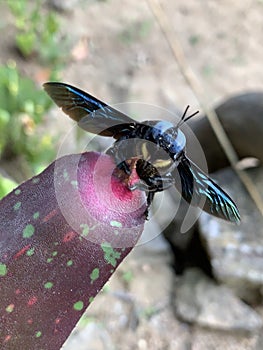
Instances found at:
x=38 y=334
x=95 y=274
x=17 y=205
x=48 y=285
x=110 y=255
x=69 y=263
x=74 y=183
x=85 y=229
x=28 y=231
x=115 y=223
x=30 y=252
x=17 y=192
x=55 y=253
x=49 y=260
x=78 y=306
x=91 y=299
x=65 y=175
x=36 y=215
x=10 y=308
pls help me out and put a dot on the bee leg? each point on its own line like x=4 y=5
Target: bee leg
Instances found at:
x=150 y=196
x=125 y=167
x=159 y=183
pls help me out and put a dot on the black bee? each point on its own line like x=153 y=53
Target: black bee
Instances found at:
x=158 y=145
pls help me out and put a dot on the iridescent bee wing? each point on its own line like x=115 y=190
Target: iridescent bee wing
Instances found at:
x=199 y=190
x=90 y=113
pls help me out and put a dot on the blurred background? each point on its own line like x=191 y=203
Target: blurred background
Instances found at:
x=199 y=290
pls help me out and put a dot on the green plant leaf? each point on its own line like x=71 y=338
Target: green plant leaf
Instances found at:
x=6 y=186
x=26 y=42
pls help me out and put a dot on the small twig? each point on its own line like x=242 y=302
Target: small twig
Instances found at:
x=196 y=87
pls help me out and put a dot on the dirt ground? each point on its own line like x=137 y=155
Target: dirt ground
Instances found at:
x=128 y=58
x=119 y=54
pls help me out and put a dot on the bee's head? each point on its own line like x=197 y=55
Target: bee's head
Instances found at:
x=167 y=136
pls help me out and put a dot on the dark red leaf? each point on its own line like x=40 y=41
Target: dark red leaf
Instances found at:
x=62 y=235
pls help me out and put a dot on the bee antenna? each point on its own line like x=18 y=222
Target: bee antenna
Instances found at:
x=184 y=119
x=191 y=116
x=185 y=112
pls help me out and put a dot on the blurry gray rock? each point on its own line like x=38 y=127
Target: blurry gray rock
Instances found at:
x=237 y=250
x=206 y=339
x=259 y=344
x=64 y=5
x=92 y=337
x=200 y=300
